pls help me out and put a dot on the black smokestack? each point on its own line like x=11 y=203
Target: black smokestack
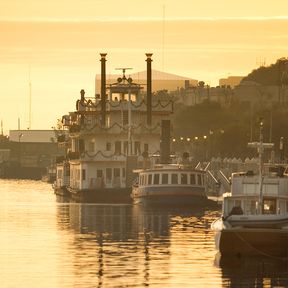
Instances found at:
x=149 y=88
x=103 y=88
x=165 y=142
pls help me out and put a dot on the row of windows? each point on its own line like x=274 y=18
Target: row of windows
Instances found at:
x=171 y=178
x=120 y=147
x=107 y=173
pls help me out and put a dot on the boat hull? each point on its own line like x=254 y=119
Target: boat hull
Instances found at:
x=237 y=241
x=61 y=191
x=168 y=195
x=102 y=195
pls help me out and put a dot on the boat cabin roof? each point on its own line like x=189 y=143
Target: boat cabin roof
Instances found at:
x=169 y=168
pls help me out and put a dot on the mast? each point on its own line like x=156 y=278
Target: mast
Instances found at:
x=260 y=147
x=261 y=150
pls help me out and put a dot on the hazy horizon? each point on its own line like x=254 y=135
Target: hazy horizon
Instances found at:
x=60 y=48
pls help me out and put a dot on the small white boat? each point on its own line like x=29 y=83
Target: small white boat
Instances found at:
x=170 y=184
x=255 y=212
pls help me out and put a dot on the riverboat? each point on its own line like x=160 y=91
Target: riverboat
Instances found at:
x=255 y=212
x=110 y=135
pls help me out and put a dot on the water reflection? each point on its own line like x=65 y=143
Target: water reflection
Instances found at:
x=253 y=271
x=136 y=245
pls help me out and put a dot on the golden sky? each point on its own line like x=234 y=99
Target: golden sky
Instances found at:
x=58 y=43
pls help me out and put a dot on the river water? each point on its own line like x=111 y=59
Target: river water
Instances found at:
x=47 y=242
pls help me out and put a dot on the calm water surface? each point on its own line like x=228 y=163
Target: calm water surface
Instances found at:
x=46 y=242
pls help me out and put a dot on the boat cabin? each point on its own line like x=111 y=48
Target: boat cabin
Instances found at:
x=245 y=193
x=166 y=176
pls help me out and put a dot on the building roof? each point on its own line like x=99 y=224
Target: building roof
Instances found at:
x=35 y=136
x=156 y=75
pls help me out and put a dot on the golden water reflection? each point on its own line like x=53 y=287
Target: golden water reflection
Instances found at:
x=49 y=243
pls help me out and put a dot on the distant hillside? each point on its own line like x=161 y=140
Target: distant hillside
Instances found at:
x=274 y=74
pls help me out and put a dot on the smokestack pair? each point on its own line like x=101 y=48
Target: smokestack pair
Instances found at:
x=103 y=88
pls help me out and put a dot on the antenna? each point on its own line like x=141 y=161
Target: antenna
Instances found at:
x=261 y=62
x=30 y=98
x=2 y=127
x=163 y=37
x=123 y=70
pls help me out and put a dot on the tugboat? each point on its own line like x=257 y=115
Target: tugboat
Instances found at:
x=110 y=136
x=255 y=212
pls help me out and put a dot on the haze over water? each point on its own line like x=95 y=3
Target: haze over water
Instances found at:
x=53 y=46
x=45 y=242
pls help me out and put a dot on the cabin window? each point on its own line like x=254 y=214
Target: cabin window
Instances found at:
x=145 y=179
x=108 y=146
x=165 y=178
x=59 y=174
x=137 y=148
x=99 y=173
x=108 y=175
x=146 y=147
x=184 y=179
x=237 y=203
x=125 y=147
x=192 y=179
x=81 y=145
x=117 y=147
x=269 y=206
x=116 y=172
x=91 y=147
x=149 y=179
x=83 y=174
x=124 y=117
x=199 y=178
x=174 y=179
x=253 y=207
x=156 y=179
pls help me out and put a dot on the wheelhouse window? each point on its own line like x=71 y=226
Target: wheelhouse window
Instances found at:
x=174 y=178
x=184 y=179
x=164 y=178
x=156 y=179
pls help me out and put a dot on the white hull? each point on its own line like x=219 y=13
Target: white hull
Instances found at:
x=270 y=240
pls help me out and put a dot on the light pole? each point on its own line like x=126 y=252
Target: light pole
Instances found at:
x=19 y=145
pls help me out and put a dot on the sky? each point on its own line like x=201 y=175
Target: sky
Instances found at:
x=55 y=46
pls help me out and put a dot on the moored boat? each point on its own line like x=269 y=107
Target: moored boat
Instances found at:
x=170 y=184
x=110 y=135
x=255 y=212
